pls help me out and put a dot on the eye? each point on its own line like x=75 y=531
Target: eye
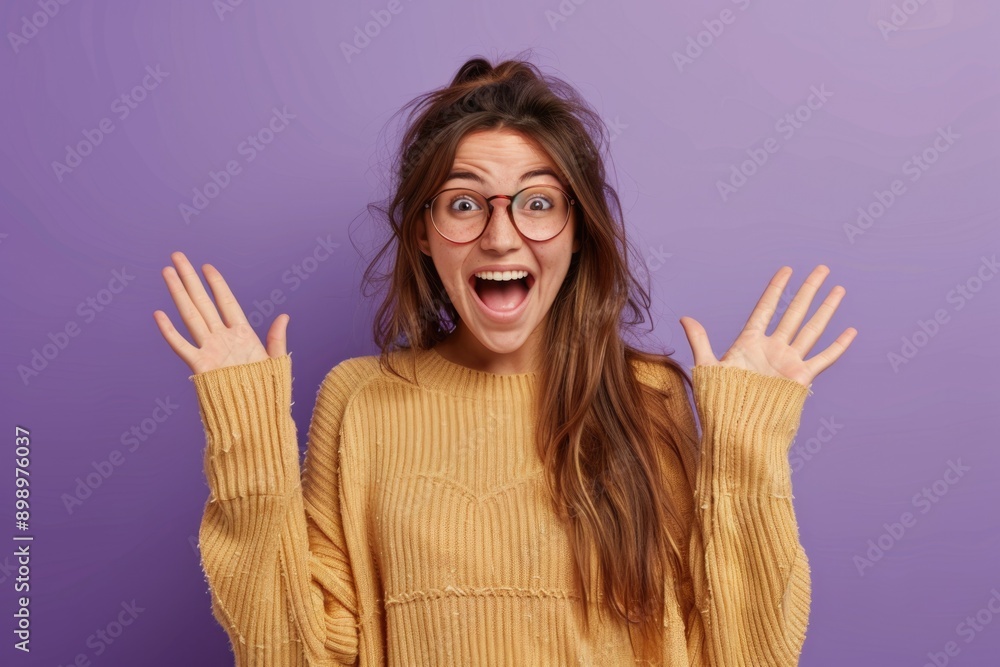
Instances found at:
x=537 y=202
x=463 y=204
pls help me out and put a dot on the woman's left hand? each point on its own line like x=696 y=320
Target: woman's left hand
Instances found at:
x=778 y=354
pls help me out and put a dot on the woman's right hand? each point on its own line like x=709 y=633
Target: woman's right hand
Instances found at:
x=226 y=340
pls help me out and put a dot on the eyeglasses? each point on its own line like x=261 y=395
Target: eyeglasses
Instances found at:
x=539 y=212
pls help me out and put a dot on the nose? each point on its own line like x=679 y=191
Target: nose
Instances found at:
x=500 y=233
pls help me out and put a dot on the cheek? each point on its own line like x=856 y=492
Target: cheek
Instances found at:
x=449 y=266
x=556 y=261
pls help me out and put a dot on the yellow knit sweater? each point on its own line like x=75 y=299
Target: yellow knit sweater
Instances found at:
x=420 y=531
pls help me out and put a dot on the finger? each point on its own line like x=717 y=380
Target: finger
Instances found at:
x=799 y=306
x=174 y=339
x=814 y=328
x=824 y=359
x=697 y=337
x=190 y=315
x=196 y=292
x=762 y=313
x=232 y=313
x=277 y=336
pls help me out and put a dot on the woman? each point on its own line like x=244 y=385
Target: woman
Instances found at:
x=508 y=482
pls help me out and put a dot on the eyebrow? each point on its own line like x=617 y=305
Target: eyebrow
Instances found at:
x=468 y=175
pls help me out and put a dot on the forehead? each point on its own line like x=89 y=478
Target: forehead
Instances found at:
x=504 y=155
x=498 y=146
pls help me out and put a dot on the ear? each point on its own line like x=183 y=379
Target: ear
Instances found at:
x=422 y=242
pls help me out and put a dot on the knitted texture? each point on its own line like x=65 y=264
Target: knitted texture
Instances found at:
x=419 y=530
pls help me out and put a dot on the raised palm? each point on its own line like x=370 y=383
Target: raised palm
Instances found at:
x=779 y=354
x=223 y=337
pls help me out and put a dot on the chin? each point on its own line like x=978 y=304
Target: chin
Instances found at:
x=501 y=343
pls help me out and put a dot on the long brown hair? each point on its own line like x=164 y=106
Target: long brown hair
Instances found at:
x=604 y=458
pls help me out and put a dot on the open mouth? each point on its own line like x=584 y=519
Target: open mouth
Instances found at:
x=502 y=296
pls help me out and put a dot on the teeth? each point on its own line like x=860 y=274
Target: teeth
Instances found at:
x=502 y=275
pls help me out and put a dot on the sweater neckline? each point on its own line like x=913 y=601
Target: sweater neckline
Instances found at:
x=441 y=373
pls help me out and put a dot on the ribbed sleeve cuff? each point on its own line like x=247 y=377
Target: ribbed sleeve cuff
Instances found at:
x=251 y=447
x=748 y=421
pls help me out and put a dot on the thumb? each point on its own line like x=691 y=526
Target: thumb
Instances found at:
x=697 y=337
x=277 y=336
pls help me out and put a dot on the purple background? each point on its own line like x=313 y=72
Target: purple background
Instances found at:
x=678 y=131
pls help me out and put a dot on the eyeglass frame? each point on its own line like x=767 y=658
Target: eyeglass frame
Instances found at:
x=509 y=207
